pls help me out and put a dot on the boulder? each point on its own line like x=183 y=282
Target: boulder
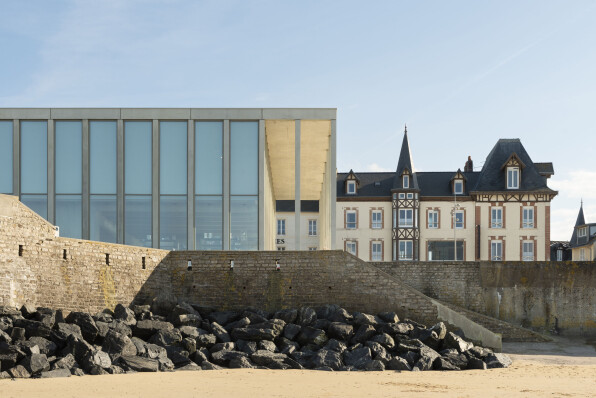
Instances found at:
x=336 y=345
x=224 y=317
x=440 y=329
x=442 y=363
x=178 y=355
x=219 y=332
x=454 y=341
x=254 y=334
x=363 y=333
x=358 y=357
x=166 y=337
x=163 y=303
x=35 y=363
x=310 y=335
x=79 y=348
x=189 y=331
x=206 y=340
x=249 y=347
x=291 y=331
x=385 y=340
x=274 y=360
x=365 y=319
x=155 y=351
x=223 y=357
x=340 y=331
x=17 y=334
x=33 y=328
x=476 y=363
x=4 y=337
x=267 y=345
x=206 y=365
x=427 y=358
x=67 y=362
x=19 y=372
x=375 y=365
x=146 y=328
x=126 y=315
x=498 y=360
x=97 y=359
x=62 y=331
x=50 y=374
x=240 y=363
x=306 y=316
x=398 y=363
x=139 y=364
x=46 y=346
x=88 y=327
x=389 y=317
x=117 y=344
x=288 y=316
x=189 y=344
x=240 y=323
x=327 y=358
x=222 y=346
x=394 y=329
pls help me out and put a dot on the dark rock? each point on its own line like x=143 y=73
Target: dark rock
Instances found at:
x=96 y=370
x=365 y=319
x=440 y=329
x=146 y=328
x=219 y=332
x=189 y=331
x=397 y=363
x=287 y=346
x=249 y=347
x=187 y=320
x=328 y=358
x=498 y=360
x=199 y=357
x=442 y=363
x=115 y=370
x=310 y=335
x=222 y=346
x=120 y=327
x=117 y=344
x=79 y=348
x=476 y=363
x=189 y=344
x=480 y=352
x=166 y=337
x=62 y=331
x=322 y=324
x=336 y=345
x=36 y=363
x=29 y=347
x=139 y=364
x=454 y=341
x=430 y=338
x=102 y=330
x=427 y=358
x=164 y=303
x=140 y=345
x=389 y=317
x=206 y=365
x=223 y=357
x=378 y=352
x=457 y=359
x=375 y=365
x=267 y=345
x=340 y=331
x=224 y=317
x=33 y=328
x=46 y=346
x=86 y=323
x=178 y=356
x=394 y=329
x=19 y=372
x=306 y=316
x=363 y=333
x=17 y=334
x=291 y=331
x=50 y=374
x=67 y=362
x=240 y=363
x=99 y=359
x=254 y=334
x=385 y=340
x=240 y=323
x=189 y=366
x=154 y=351
x=288 y=316
x=206 y=340
x=4 y=337
x=254 y=316
x=105 y=316
x=141 y=312
x=357 y=358
x=28 y=310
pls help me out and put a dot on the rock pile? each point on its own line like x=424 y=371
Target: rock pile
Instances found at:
x=170 y=335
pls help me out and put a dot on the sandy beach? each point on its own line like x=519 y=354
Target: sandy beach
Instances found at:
x=558 y=369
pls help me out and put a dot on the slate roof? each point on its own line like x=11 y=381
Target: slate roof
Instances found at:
x=438 y=183
x=545 y=169
x=579 y=221
x=370 y=184
x=405 y=162
x=492 y=177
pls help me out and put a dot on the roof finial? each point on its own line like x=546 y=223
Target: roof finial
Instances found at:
x=581 y=202
x=405 y=128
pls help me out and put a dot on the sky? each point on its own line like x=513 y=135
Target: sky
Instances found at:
x=460 y=74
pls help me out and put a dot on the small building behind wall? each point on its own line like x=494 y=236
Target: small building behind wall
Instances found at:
x=174 y=178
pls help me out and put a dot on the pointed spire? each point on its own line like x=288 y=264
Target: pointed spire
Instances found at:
x=404 y=162
x=580 y=216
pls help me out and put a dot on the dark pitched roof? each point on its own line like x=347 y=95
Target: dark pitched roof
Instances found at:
x=404 y=162
x=580 y=221
x=370 y=185
x=492 y=177
x=545 y=169
x=438 y=183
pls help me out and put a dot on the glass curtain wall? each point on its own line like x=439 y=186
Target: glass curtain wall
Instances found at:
x=103 y=211
x=173 y=139
x=34 y=166
x=208 y=227
x=244 y=185
x=6 y=157
x=69 y=177
x=137 y=183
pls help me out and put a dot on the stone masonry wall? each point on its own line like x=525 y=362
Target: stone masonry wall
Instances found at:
x=530 y=294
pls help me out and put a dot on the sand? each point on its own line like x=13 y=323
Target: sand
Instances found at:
x=558 y=369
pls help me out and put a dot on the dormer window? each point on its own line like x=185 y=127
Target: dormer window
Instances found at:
x=351 y=188
x=406 y=181
x=512 y=177
x=582 y=232
x=458 y=187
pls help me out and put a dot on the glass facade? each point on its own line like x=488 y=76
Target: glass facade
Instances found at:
x=172 y=223
x=69 y=213
x=6 y=157
x=103 y=218
x=69 y=178
x=37 y=203
x=137 y=220
x=34 y=166
x=244 y=223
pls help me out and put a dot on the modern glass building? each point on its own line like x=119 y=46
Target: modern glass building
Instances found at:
x=176 y=178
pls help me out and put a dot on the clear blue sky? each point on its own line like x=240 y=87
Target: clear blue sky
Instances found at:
x=461 y=74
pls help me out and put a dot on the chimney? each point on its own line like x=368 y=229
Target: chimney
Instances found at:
x=469 y=167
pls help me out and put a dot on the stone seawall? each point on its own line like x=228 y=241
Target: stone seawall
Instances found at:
x=540 y=295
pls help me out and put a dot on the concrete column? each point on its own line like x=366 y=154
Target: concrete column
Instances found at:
x=85 y=193
x=262 y=177
x=51 y=173
x=190 y=151
x=297 y=185
x=120 y=180
x=16 y=158
x=155 y=185
x=226 y=186
x=332 y=181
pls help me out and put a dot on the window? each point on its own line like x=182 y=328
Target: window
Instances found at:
x=442 y=250
x=459 y=219
x=433 y=219
x=496 y=217
x=406 y=250
x=528 y=217
x=376 y=251
x=496 y=250
x=582 y=255
x=6 y=157
x=527 y=251
x=410 y=195
x=512 y=178
x=582 y=232
x=559 y=254
x=351 y=188
x=312 y=249
x=458 y=187
x=312 y=227
x=351 y=219
x=352 y=247
x=402 y=195
x=377 y=219
x=281 y=227
x=406 y=218
x=406 y=181
x=281 y=248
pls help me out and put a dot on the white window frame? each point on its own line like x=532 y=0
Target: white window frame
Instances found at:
x=406 y=181
x=281 y=222
x=402 y=195
x=433 y=219
x=403 y=222
x=559 y=254
x=403 y=250
x=458 y=184
x=352 y=247
x=582 y=232
x=410 y=195
x=494 y=221
x=351 y=187
x=351 y=224
x=527 y=221
x=582 y=255
x=496 y=250
x=376 y=251
x=459 y=224
x=376 y=219
x=312 y=227
x=527 y=250
x=512 y=177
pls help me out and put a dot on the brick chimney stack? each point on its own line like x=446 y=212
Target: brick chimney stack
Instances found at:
x=469 y=165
